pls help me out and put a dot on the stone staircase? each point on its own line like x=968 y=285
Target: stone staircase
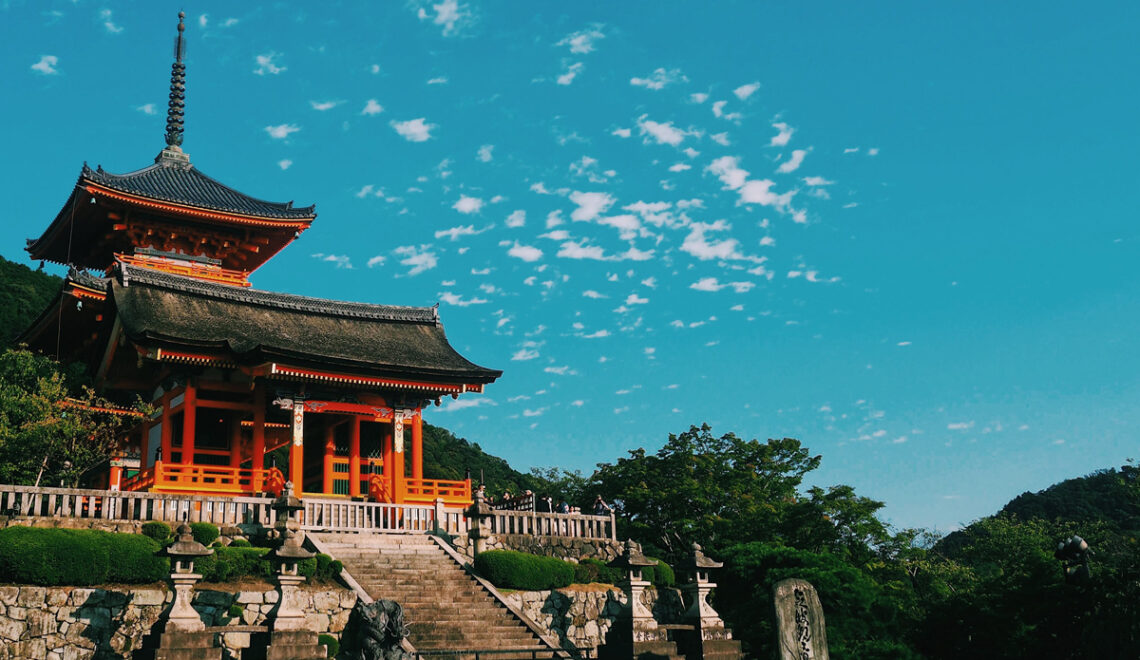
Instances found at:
x=445 y=608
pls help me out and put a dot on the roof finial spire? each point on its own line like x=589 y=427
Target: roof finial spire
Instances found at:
x=177 y=106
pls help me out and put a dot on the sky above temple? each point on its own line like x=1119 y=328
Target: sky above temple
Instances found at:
x=899 y=232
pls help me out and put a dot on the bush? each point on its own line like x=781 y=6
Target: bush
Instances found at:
x=204 y=532
x=235 y=611
x=327 y=567
x=331 y=643
x=78 y=557
x=159 y=531
x=593 y=570
x=660 y=575
x=232 y=563
x=240 y=543
x=518 y=570
x=134 y=559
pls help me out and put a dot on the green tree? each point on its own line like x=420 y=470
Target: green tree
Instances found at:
x=50 y=432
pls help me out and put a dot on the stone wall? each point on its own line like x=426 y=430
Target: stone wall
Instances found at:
x=580 y=616
x=64 y=623
x=560 y=547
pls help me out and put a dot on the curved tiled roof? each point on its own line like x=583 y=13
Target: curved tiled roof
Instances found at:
x=250 y=326
x=182 y=183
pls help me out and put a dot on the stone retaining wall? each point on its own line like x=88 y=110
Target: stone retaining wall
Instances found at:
x=550 y=546
x=580 y=616
x=64 y=623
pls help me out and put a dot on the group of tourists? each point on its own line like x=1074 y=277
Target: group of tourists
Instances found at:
x=542 y=504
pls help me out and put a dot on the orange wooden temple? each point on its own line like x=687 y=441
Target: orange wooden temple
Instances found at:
x=251 y=388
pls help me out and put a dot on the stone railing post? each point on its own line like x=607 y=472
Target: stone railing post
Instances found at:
x=480 y=531
x=288 y=554
x=440 y=519
x=183 y=616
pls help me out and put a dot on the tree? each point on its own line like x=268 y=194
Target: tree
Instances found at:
x=50 y=431
x=698 y=487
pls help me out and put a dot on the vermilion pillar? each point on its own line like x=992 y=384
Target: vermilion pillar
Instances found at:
x=330 y=452
x=258 y=459
x=189 y=422
x=166 y=432
x=389 y=467
x=235 y=443
x=399 y=479
x=418 y=446
x=354 y=457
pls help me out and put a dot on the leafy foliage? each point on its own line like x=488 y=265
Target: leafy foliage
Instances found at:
x=204 y=532
x=78 y=557
x=25 y=294
x=50 y=429
x=518 y=570
x=157 y=530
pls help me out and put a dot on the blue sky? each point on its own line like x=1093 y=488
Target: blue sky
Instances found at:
x=903 y=233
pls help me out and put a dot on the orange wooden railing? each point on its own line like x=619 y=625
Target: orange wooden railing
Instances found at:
x=421 y=491
x=191 y=478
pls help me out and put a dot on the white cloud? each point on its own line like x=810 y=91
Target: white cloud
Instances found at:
x=455 y=232
x=698 y=97
x=281 y=131
x=372 y=108
x=516 y=218
x=527 y=352
x=321 y=106
x=575 y=250
x=561 y=371
x=728 y=171
x=720 y=138
x=378 y=260
x=785 y=133
x=903 y=343
x=341 y=260
x=108 y=24
x=960 y=426
x=459 y=404
x=582 y=42
x=570 y=73
x=590 y=293
x=467 y=205
x=711 y=284
x=439 y=80
x=874 y=151
x=662 y=133
x=414 y=130
x=230 y=22
x=659 y=79
x=577 y=403
x=267 y=63
x=718 y=111
x=622 y=132
x=633 y=299
x=47 y=65
x=590 y=205
x=793 y=163
x=525 y=252
x=698 y=245
x=680 y=167
x=597 y=335
x=744 y=91
x=556 y=235
x=418 y=258
x=448 y=14
x=459 y=301
x=484 y=153
x=817 y=181
x=147 y=109
x=284 y=163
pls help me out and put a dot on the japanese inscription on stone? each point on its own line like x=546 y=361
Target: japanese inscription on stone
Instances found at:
x=800 y=630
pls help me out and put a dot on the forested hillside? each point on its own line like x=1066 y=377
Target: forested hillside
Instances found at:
x=24 y=294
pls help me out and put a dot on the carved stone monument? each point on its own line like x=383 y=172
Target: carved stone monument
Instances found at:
x=800 y=630
x=379 y=632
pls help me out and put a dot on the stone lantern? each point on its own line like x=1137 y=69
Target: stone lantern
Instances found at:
x=700 y=612
x=182 y=552
x=288 y=554
x=478 y=513
x=632 y=560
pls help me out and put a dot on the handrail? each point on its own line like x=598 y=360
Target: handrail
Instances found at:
x=195 y=478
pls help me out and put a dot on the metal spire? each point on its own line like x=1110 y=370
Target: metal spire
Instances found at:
x=177 y=107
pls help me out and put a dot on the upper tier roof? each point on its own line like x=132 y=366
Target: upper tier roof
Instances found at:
x=182 y=183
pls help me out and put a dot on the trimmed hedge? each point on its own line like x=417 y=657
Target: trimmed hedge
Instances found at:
x=157 y=530
x=519 y=570
x=78 y=557
x=234 y=562
x=594 y=570
x=660 y=575
x=204 y=532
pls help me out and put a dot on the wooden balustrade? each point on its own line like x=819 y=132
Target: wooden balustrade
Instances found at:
x=134 y=506
x=338 y=515
x=192 y=478
x=571 y=525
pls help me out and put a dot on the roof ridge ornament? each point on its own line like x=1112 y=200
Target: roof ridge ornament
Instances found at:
x=176 y=109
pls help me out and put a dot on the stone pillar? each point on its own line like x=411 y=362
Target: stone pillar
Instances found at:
x=801 y=631
x=480 y=531
x=644 y=626
x=288 y=554
x=297 y=449
x=183 y=616
x=701 y=613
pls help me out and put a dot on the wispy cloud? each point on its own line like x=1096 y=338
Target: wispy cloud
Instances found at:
x=744 y=91
x=455 y=232
x=418 y=258
x=341 y=260
x=467 y=205
x=147 y=109
x=785 y=134
x=659 y=79
x=570 y=73
x=267 y=64
x=414 y=130
x=47 y=65
x=449 y=15
x=108 y=23
x=582 y=42
x=516 y=219
x=453 y=405
x=485 y=153
x=525 y=252
x=281 y=131
x=660 y=132
x=284 y=164
x=459 y=301
x=793 y=163
x=321 y=106
x=711 y=284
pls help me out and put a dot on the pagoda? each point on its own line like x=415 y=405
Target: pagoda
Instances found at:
x=251 y=388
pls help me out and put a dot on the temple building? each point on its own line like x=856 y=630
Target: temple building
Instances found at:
x=250 y=388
